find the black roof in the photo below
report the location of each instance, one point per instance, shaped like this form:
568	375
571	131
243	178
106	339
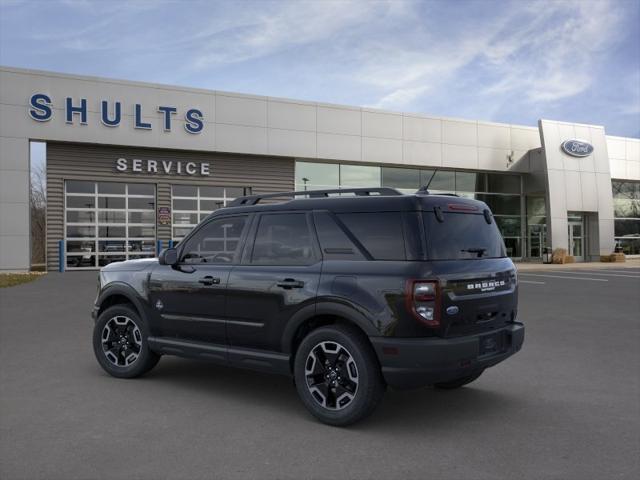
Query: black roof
384	200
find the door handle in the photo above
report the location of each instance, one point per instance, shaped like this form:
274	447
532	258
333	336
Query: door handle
209	280
289	283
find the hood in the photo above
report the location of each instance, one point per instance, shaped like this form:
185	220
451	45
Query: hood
130	265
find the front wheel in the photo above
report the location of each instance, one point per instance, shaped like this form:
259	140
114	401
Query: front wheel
120	343
458	382
337	375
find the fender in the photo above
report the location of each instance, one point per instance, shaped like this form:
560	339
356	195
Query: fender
325	307
127	291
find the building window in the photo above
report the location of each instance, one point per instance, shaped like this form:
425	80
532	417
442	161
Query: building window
501	191
191	204
108	222
626	210
536	226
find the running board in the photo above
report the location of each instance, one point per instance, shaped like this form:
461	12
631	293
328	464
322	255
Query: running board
261	360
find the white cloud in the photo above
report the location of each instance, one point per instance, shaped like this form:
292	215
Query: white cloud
543	52
553	57
286	25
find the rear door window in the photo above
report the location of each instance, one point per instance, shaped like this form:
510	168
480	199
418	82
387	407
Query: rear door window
381	234
283	239
462	236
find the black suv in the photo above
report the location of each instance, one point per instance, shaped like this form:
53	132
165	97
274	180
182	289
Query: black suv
347	291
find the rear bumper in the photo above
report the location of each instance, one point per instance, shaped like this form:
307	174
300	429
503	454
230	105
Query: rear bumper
416	362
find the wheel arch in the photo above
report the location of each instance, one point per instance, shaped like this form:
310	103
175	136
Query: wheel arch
309	319
118	294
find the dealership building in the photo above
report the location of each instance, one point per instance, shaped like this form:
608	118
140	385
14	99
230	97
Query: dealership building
132	167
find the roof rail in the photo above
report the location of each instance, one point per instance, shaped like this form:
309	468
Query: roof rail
360	192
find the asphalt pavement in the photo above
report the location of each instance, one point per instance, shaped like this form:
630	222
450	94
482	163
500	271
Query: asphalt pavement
566	407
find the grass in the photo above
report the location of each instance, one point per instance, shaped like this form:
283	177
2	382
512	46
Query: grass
13	279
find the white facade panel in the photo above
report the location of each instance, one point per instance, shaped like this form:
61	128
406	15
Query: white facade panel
617	148
14	186
573	189
291	116
632	147
456	156
600	155
633	170
246	111
381	125
566	131
459	133
241	139
589	191
339	147
339	120
292	143
422	153
14	219
417	129
618	168
494	136
14	252
12	153
582	132
382	150
492	158
525	138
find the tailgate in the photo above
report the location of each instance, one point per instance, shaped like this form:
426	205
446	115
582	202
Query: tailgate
477	299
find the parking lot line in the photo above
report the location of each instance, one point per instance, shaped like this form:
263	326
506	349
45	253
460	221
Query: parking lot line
560	276
582	272
532	281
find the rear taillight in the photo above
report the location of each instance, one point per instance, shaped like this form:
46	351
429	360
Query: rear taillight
423	300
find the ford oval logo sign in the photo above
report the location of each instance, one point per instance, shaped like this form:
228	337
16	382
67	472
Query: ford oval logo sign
577	148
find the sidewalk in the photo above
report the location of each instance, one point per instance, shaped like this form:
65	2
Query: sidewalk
630	263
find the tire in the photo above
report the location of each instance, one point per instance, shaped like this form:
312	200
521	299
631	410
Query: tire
122	328
346	389
459	382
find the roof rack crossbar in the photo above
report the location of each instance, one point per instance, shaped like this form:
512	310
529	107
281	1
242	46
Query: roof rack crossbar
360	192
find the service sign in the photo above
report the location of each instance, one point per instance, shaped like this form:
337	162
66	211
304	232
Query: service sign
162	167
577	148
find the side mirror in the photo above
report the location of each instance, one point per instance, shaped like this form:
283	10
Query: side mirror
168	256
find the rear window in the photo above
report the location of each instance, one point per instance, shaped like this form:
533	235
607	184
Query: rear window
380	233
462	236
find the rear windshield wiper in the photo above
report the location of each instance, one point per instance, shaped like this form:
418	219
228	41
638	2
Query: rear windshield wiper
479	251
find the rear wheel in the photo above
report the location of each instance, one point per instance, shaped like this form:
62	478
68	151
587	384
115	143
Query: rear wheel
120	343
337	375
459	382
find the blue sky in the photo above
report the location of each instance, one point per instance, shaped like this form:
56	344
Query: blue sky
512	62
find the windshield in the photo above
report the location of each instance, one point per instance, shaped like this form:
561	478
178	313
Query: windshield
462	236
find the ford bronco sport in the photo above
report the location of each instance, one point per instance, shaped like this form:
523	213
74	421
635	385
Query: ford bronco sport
347	291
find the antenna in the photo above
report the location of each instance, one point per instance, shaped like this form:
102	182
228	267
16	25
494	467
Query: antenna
426	187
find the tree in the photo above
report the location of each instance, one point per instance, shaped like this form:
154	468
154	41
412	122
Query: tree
38	212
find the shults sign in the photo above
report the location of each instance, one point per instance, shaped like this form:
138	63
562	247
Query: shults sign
41	109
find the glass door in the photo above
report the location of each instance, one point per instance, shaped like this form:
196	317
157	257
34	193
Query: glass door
576	237
537	240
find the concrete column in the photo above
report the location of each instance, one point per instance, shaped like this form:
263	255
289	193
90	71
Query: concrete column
15	246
